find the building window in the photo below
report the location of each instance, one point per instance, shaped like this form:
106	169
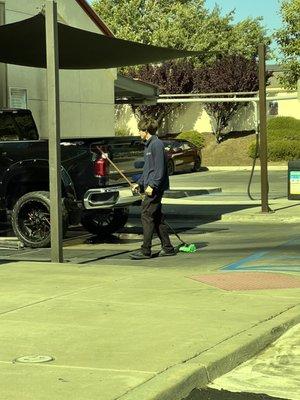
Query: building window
17	98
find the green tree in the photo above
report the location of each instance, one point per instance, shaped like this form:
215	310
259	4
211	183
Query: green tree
245	37
233	73
171	77
168	23
288	39
182	24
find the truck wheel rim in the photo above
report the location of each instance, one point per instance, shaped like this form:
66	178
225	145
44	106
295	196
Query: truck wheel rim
34	221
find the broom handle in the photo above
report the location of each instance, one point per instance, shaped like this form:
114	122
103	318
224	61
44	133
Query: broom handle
173	230
116	168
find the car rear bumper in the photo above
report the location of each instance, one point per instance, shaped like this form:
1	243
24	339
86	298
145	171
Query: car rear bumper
109	198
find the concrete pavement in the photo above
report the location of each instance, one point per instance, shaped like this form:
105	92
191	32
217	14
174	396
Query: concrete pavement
127	332
119	329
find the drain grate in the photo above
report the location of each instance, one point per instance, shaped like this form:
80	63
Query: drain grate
33	359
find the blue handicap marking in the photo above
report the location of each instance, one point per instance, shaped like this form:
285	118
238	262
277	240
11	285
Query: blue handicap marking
275	259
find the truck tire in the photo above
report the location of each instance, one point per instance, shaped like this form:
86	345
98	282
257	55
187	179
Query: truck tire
30	219
104	222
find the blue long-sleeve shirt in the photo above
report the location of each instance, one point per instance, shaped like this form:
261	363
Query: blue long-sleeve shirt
155	171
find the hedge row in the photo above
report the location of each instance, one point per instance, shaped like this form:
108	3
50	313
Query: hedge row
280	150
194	137
289	123
283	139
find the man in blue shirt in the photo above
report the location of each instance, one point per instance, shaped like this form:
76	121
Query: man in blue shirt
153	182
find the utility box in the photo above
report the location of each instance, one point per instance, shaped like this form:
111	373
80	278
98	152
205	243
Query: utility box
294	180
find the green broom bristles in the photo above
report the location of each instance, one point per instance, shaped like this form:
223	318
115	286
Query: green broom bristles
188	248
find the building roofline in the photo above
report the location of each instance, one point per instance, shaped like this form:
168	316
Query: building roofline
95	17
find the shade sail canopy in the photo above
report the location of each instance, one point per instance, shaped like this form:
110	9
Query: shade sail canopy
24	43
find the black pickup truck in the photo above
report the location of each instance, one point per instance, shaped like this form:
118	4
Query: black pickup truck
92	193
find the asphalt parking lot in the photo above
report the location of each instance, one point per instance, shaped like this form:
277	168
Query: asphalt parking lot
82	247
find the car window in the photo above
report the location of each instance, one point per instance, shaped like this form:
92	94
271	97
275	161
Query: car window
185	146
168	146
177	146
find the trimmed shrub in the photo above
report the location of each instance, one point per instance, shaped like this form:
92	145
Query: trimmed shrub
279	150
283	134
283	139
285	123
283	150
251	150
194	137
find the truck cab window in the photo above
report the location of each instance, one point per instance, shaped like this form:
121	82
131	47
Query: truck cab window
27	127
17	126
8	129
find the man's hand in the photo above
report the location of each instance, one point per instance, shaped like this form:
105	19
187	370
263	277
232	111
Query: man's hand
135	188
149	191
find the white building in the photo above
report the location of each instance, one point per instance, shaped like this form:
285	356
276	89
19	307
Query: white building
193	116
87	97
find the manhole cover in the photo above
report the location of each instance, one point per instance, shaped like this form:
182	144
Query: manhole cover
33	359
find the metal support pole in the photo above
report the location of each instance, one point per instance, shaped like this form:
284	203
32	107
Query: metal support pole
263	129
3	67
54	131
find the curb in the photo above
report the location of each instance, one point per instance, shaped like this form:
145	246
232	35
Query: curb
246	168
224	217
227	212
260	217
177	382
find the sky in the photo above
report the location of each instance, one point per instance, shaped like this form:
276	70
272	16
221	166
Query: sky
268	9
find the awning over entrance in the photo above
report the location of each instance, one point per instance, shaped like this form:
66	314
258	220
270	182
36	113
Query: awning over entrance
132	91
24	43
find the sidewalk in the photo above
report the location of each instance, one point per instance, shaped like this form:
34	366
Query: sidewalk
128	332
123	330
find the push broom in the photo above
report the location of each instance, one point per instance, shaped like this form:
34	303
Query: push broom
184	247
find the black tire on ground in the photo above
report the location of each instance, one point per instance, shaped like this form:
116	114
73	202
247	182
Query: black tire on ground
104	222
197	165
171	167
30	219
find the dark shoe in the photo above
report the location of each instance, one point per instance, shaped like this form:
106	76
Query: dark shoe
139	255
164	253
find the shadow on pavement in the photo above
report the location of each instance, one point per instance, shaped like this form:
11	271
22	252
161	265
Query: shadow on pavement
284	208
213	212
213	394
